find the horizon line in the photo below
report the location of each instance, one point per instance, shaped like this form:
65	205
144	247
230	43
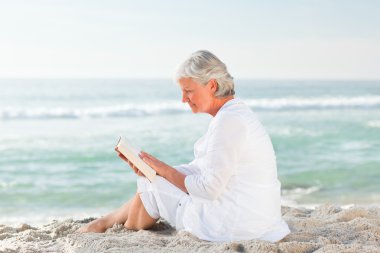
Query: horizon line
168	78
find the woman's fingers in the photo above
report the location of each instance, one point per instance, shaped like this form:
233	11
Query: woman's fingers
129	163
146	155
123	157
147	158
137	171
132	166
159	166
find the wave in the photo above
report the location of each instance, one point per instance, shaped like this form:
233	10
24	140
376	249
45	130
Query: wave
171	107
299	192
127	110
374	123
290	197
315	103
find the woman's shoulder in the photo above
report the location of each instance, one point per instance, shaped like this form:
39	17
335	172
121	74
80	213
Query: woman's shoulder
239	117
231	117
236	110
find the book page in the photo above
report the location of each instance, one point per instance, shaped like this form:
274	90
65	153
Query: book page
132	154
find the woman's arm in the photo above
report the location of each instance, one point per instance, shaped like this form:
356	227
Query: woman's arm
169	173
226	139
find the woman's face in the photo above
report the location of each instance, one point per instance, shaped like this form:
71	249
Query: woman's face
198	96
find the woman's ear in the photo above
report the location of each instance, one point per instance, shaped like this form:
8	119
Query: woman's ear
213	85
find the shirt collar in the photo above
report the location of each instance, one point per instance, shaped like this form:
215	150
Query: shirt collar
233	101
230	103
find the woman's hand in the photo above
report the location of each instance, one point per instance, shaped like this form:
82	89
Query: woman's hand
160	167
169	173
130	164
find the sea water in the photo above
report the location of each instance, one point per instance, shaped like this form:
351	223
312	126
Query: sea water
57	139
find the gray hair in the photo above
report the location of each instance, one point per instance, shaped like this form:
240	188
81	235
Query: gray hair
203	66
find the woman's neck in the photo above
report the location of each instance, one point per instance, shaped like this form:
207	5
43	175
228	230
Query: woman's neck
218	103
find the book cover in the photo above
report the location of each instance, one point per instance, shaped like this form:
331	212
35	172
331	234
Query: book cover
131	152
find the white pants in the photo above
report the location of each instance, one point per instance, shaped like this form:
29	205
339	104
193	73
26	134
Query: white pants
163	199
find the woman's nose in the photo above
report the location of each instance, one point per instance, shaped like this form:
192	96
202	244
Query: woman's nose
184	98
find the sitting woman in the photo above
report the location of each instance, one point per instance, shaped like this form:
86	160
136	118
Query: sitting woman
230	190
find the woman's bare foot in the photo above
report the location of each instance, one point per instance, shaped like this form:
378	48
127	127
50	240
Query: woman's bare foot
139	218
97	226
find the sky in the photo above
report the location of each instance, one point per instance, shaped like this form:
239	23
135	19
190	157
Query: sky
272	39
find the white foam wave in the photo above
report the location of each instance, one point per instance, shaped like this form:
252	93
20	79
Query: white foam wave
290	197
291	131
294	103
374	123
315	103
297	193
95	112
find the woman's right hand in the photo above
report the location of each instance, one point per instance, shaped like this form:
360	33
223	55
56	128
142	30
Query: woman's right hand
130	163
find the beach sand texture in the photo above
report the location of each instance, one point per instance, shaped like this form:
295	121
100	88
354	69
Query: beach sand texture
327	228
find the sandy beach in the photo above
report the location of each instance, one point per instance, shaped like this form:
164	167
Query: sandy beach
327	228
266	104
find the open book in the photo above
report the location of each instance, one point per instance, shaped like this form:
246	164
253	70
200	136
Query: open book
132	154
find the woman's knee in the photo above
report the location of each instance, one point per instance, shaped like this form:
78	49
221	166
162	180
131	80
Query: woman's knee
130	224
138	217
142	224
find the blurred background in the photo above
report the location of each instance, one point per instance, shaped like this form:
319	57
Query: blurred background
75	75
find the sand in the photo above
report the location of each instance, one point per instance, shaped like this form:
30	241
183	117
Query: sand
327	228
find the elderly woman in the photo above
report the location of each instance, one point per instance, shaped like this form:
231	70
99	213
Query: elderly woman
230	190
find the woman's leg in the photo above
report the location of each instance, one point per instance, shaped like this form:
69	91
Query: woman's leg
138	217
100	225
132	214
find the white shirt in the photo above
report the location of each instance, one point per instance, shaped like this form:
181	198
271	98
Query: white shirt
232	182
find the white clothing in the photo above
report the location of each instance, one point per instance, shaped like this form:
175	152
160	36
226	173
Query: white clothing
162	199
234	193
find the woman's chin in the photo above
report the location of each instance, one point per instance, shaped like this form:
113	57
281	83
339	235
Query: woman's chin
193	109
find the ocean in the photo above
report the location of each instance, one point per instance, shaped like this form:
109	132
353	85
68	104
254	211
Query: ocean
57	139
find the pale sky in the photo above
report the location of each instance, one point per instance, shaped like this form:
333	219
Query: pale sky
266	39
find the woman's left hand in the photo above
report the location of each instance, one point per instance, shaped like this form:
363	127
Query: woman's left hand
160	167
169	173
